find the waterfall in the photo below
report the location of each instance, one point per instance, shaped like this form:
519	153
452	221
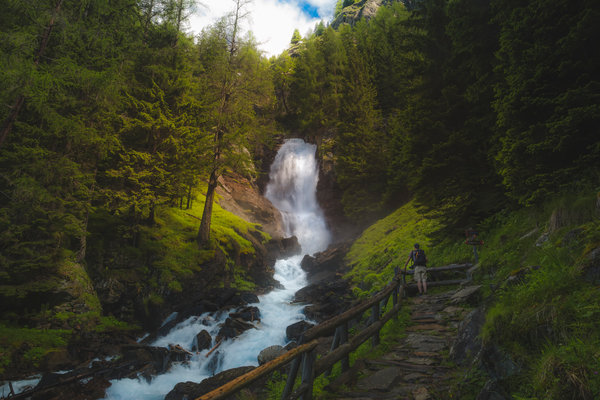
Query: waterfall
292	189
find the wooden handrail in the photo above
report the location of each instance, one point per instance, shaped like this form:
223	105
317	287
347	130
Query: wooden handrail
328	327
311	367
440	269
242	381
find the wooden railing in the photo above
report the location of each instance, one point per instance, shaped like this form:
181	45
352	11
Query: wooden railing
467	268
305	354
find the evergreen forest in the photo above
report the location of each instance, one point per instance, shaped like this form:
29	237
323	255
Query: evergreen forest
117	125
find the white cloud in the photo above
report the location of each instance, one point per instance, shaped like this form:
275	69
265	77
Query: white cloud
272	21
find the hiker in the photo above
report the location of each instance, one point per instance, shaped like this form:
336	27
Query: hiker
417	255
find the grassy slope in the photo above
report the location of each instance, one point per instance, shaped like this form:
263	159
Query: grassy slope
171	243
549	322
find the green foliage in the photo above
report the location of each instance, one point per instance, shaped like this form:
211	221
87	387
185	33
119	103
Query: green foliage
386	245
31	344
547	99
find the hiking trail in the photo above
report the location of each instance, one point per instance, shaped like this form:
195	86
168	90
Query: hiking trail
417	367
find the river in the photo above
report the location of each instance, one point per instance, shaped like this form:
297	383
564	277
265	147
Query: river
292	189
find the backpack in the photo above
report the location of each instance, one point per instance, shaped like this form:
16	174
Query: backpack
419	257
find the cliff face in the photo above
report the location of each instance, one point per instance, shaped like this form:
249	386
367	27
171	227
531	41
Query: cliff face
364	9
241	197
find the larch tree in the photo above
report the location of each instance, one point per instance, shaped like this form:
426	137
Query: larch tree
231	100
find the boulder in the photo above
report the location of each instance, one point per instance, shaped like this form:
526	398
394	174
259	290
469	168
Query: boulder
178	353
157	357
327	299
249	298
467	343
247	314
202	341
326	265
283	248
294	331
233	327
470	294
192	390
270	353
497	363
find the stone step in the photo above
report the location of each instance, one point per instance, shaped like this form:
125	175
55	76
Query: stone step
427	327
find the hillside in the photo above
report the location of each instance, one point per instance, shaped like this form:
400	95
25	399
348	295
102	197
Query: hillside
540	273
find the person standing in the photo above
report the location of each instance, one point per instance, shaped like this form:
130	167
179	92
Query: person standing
419	259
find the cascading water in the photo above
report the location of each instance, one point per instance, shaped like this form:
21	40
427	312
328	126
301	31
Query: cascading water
292	189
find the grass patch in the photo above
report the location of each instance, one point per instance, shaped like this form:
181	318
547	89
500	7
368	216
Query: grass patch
29	345
172	242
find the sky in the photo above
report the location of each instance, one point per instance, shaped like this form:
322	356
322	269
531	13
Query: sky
272	21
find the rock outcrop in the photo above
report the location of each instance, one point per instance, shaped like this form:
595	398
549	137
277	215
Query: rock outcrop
328	293
242	197
364	9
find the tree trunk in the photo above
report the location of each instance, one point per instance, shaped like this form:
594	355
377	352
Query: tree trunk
204	231
16	108
189	198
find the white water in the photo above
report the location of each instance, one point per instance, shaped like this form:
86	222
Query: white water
292	189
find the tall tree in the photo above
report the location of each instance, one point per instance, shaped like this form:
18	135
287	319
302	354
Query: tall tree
548	101
236	74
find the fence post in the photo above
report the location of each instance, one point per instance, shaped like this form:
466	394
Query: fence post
334	345
308	373
343	339
395	297
291	379
375	318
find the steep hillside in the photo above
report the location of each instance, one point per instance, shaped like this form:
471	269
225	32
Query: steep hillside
540	271
130	281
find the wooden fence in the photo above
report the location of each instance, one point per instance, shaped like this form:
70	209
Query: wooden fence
305	354
434	272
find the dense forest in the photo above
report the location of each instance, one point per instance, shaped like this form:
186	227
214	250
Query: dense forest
112	111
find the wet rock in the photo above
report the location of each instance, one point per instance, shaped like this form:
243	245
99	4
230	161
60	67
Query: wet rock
270	353
326	265
467	343
192	390
283	248
156	357
178	353
327	299
215	362
294	331
250	314
249	298
202	341
233	327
